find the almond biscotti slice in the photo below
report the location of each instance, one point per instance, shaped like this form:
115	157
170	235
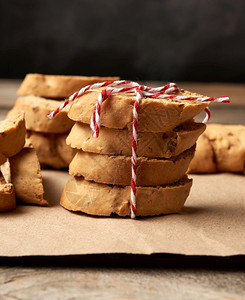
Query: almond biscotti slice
154	115
36	110
203	161
229	153
220	149
149	144
116	169
239	131
52	150
103	200
12	136
27	178
56	86
7	194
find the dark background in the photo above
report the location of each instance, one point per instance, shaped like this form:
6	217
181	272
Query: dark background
174	40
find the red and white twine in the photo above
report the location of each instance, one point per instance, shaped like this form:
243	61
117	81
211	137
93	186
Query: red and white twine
163	92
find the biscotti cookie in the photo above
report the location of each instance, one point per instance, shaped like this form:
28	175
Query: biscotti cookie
7	195
104	200
51	149
116	169
66	153
229	153
27	178
220	149
56	86
203	161
12	136
117	141
239	131
154	115
36	110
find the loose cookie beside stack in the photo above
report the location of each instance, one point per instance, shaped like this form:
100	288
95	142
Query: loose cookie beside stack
12	140
101	169
220	149
20	174
41	94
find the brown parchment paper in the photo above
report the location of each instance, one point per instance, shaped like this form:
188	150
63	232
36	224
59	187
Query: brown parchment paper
211	223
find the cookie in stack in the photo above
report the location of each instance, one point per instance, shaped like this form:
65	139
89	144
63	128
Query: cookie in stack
41	94
101	169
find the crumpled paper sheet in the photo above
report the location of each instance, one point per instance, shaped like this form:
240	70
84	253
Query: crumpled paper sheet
211	223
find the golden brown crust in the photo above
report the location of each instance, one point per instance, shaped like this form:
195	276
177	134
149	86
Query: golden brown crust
36	110
103	200
228	149
7	195
12	136
155	115
117	169
66	153
51	149
220	149
203	161
117	141
27	178
56	86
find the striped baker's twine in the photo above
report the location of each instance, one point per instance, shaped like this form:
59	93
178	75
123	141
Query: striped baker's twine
132	87
168	88
163	92
208	115
83	90
134	150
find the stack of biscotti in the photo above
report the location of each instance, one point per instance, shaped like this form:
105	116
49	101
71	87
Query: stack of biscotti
20	174
221	148
101	169
41	94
